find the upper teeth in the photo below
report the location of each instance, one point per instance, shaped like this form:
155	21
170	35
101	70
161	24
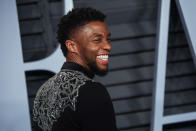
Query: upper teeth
103	56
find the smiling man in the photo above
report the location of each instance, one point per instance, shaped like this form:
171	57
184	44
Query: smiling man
71	100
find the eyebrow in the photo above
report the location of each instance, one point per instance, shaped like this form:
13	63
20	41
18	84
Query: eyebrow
100	35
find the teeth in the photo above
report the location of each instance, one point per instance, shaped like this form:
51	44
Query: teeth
103	57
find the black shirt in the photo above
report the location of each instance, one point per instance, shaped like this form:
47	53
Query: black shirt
72	101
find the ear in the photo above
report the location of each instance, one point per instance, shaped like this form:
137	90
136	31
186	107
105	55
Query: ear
71	46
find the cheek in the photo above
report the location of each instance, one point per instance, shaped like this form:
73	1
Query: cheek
89	54
92	50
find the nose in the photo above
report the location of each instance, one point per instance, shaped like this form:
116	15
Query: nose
107	46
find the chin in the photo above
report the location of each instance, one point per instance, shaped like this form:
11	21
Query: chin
99	70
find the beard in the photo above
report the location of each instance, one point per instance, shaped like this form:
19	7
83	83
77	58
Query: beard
95	69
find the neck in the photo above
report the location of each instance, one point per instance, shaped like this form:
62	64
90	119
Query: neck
76	59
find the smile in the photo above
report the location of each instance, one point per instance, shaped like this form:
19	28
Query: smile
103	57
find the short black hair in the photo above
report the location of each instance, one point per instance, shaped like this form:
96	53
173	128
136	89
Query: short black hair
75	18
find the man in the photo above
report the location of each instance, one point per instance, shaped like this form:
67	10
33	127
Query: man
72	100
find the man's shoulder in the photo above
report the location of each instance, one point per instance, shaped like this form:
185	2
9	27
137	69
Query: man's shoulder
93	89
95	83
65	82
65	78
56	94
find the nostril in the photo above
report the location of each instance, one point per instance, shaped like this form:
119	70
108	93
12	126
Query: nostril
107	46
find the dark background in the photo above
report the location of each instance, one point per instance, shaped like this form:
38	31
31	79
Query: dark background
130	79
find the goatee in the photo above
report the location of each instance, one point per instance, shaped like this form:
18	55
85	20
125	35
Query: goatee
94	68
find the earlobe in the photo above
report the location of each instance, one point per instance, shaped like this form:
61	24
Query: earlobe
71	46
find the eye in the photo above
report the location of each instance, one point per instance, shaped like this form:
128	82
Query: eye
109	40
97	40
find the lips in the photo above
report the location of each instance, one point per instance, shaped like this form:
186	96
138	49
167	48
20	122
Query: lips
103	58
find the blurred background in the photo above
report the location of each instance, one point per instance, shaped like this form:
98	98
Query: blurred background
131	69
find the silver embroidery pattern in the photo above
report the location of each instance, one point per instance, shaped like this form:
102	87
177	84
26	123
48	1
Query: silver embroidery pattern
55	95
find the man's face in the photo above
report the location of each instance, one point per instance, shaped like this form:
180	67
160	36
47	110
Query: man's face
93	42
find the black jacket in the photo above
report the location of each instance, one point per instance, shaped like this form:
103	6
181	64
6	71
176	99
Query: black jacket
72	101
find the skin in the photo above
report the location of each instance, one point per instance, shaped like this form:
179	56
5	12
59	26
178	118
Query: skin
89	46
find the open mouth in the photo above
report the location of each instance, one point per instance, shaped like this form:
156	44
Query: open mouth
103	57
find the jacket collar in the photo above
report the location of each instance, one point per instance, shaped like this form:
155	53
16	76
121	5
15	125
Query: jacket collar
77	67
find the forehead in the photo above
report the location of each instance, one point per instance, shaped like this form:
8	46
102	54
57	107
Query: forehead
94	28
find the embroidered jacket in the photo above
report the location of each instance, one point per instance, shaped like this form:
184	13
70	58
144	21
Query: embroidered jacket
72	101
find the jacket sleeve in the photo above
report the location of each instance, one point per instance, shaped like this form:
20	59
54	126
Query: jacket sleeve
95	108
